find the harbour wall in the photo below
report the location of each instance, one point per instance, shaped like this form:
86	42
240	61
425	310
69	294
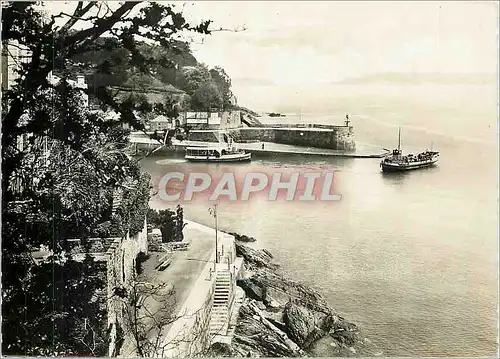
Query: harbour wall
307	135
121	267
120	255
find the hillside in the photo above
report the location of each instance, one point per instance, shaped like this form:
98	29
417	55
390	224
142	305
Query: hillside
176	79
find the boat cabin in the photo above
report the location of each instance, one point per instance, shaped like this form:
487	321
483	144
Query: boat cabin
397	152
202	151
210	152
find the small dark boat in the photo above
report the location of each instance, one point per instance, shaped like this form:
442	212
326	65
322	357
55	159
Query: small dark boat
397	162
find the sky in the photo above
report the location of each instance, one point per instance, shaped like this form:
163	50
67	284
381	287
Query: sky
290	50
293	43
329	41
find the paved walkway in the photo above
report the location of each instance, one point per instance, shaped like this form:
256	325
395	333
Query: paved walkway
185	269
188	270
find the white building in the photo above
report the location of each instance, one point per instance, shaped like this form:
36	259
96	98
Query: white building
221	120
13	55
79	84
161	123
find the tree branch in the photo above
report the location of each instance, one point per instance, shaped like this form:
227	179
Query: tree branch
100	26
79	12
241	29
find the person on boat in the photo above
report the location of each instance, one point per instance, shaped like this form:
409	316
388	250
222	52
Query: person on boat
262	145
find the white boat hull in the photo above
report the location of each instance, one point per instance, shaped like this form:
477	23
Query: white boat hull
238	157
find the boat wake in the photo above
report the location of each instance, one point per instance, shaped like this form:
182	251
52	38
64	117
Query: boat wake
170	161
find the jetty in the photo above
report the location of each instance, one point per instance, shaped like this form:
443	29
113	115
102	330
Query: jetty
141	143
304	139
271	148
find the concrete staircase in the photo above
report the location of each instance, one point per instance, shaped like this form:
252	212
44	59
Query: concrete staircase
239	296
219	315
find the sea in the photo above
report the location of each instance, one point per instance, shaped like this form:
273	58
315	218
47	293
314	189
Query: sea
411	258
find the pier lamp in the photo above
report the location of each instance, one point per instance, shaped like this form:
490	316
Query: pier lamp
213	212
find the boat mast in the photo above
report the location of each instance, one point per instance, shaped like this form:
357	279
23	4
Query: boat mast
399	140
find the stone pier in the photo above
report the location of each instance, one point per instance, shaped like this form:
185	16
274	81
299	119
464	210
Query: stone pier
332	137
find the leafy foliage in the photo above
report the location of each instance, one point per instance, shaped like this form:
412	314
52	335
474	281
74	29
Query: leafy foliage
61	162
134	207
175	77
207	96
223	82
68	310
171	223
139	261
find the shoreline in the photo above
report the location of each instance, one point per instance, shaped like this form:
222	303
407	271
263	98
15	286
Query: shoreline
158	149
281	317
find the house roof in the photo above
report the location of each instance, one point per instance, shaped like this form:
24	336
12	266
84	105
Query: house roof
161	118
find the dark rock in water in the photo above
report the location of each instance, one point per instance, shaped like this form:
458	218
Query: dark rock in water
281	326
283	290
259	337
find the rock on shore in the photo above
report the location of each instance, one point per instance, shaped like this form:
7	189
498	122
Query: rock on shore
280	317
242	237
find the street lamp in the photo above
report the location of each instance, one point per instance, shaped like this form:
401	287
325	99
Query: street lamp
213	212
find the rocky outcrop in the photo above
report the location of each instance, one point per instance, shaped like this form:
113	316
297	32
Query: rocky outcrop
281	317
249	117
242	237
254	258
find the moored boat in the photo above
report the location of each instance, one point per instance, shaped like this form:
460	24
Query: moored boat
224	151
397	162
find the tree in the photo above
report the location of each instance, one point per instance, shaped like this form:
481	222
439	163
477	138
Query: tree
223	82
192	77
79	326
207	97
150	308
179	222
59	184
171	223
182	56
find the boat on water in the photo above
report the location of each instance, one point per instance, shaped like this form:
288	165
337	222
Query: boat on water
397	162
224	151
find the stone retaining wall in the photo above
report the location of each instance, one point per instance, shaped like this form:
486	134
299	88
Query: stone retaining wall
121	268
307	135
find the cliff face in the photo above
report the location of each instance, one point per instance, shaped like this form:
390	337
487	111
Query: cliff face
281	317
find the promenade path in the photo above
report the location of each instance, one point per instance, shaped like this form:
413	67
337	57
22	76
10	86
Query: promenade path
185	269
188	272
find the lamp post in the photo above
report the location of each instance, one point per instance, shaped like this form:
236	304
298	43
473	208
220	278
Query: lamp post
213	212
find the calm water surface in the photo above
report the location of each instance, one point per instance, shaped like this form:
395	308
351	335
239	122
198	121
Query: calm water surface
411	258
